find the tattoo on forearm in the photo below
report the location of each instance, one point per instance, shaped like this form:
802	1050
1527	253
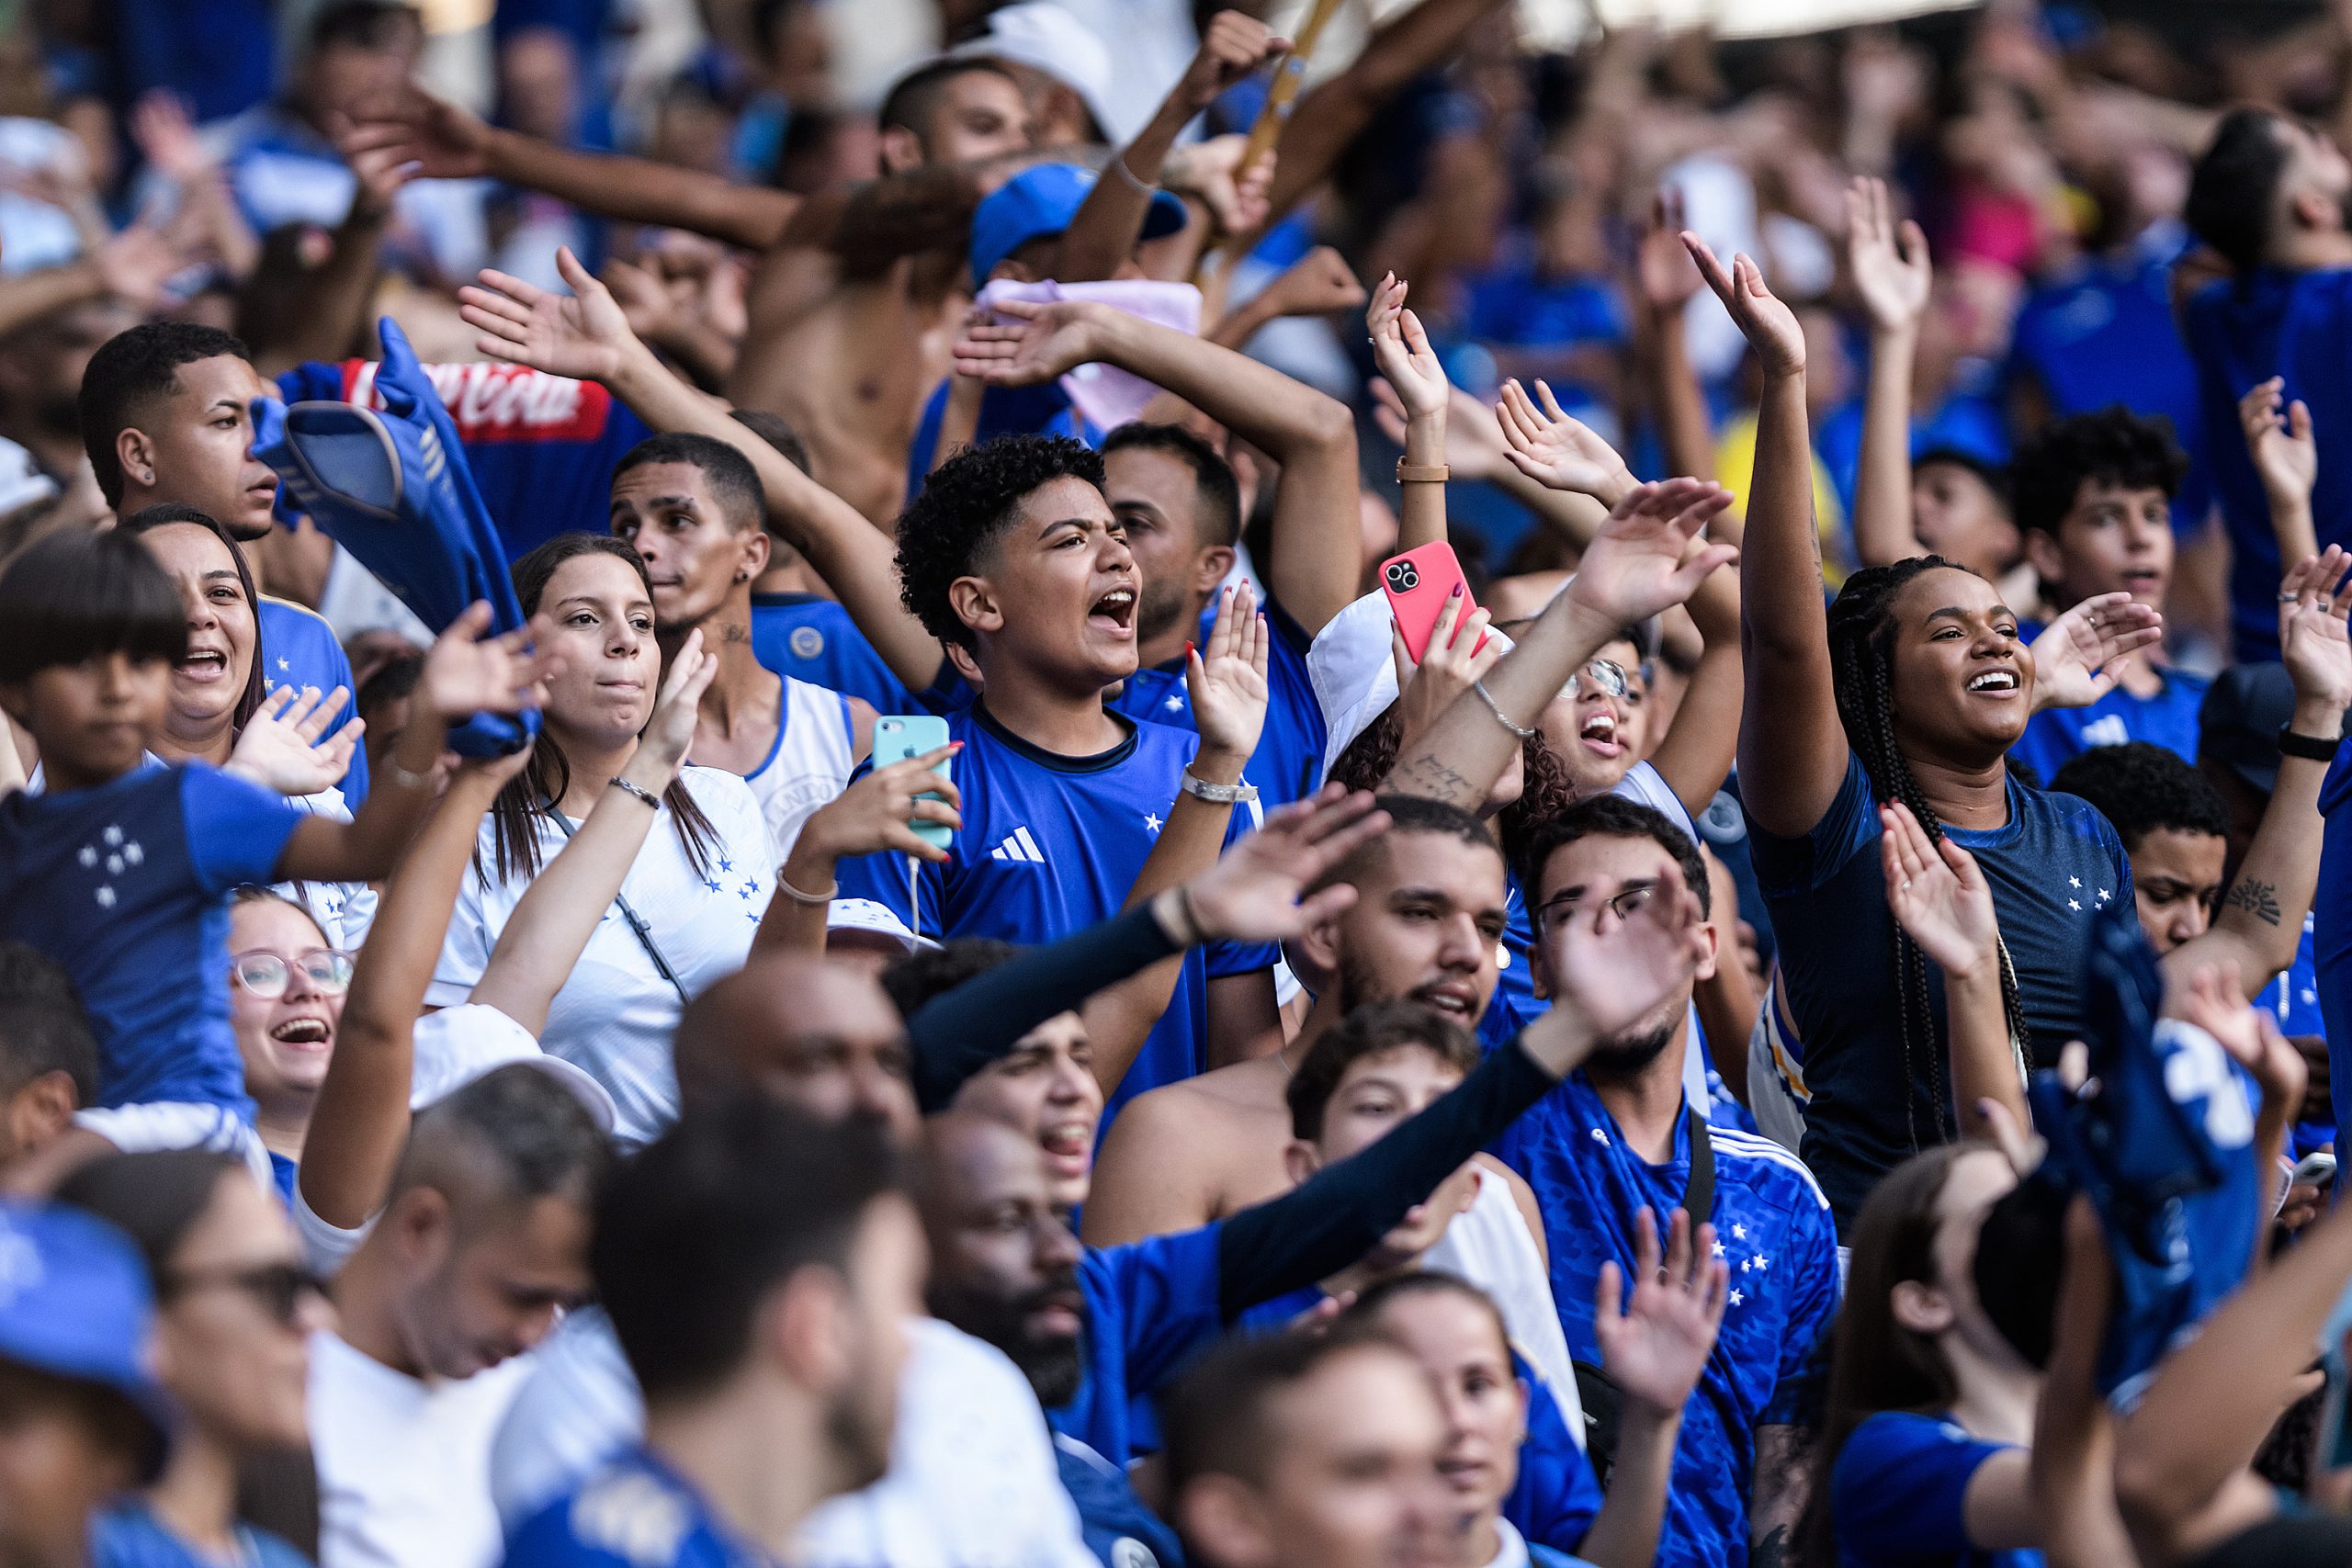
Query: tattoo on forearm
1426	776
1772	1551
2259	899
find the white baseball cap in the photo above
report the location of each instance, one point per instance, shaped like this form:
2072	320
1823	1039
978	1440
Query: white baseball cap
872	916
1352	667
459	1044
1045	36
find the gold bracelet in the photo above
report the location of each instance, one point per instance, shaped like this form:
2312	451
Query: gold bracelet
1422	473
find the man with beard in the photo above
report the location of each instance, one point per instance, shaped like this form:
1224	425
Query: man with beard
1618	1138
1429	915
757	1266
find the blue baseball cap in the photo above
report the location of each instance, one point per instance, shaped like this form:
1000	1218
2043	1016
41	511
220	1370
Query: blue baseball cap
76	1304
1044	200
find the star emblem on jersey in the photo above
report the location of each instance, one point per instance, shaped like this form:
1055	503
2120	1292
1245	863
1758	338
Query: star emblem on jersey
1151	821
282	665
109	855
1175	703
1739	1299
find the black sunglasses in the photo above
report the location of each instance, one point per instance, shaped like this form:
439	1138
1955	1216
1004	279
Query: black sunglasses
280	1288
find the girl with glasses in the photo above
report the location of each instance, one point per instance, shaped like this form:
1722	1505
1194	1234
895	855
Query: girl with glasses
287	982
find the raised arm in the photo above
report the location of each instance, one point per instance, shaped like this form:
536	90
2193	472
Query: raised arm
1102	236
1892	282
2287	459
331	299
1401	349
1651	552
1316	532
2261	920
1668	280
587	336
874	816
549	929
447	142
1792	747
1943	903
361	1122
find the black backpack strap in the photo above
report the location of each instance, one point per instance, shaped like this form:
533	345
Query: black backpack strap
1699	1191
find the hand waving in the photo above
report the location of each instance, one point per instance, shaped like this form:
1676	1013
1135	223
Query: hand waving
585	336
1228	679
1555	450
1652	551
1660	265
2311	628
1770	326
1257	890
1938	896
467	673
445	141
1614	973
1401	349
1658	1345
669	732
287	747
1041	343
2285	454
2078	655
1894	282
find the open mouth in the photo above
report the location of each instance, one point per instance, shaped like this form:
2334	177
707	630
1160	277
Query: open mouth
205	665
1598	733
1455	1001
1114	612
2143	580
1069	1147
302	1033
1994	682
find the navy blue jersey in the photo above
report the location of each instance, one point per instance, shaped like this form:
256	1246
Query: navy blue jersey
126	885
2054	862
2331	938
298	649
1288	763
1049	845
1898	1493
2297	325
810	637
541	447
633	1512
129	1536
1151	1307
1773	1231
2054	737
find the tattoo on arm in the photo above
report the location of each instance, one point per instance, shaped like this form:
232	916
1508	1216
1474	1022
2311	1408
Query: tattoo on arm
2257	898
1426	776
1783	1490
1772	1551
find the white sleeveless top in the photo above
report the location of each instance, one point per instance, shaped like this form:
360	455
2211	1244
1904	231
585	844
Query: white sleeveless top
809	765
1488	1244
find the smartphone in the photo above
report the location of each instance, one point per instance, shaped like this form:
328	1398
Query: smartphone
2315	1170
1418	584
902	735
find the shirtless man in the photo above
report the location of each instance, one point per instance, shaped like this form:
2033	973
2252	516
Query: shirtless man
1425	928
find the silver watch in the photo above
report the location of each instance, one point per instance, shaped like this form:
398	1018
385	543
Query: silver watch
1217	794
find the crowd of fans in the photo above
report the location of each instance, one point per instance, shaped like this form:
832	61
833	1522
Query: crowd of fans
873	786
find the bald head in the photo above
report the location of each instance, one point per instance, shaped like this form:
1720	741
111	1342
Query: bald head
803	1031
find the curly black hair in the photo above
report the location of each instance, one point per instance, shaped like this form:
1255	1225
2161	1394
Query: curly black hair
2141	788
965	504
2112	446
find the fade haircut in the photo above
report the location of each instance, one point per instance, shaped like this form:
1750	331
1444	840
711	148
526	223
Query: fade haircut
2141	788
697	1231
1219	495
914	98
965	506
1609	817
734	483
1410	814
1218	1420
2235	185
2113	447
128	374
1372	1029
74	596
512	1136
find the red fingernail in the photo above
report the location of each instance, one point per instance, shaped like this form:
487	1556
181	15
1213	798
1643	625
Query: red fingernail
1457	591
1188	650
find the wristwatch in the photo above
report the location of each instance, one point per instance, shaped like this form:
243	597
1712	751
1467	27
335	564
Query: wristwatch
1216	793
2311	747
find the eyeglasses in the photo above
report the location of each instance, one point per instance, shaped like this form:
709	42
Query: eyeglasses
267	974
1623	903
280	1289
1607	675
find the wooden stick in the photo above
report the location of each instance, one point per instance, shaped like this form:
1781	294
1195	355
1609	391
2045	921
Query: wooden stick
1289	76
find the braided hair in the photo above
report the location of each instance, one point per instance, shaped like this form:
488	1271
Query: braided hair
1861	665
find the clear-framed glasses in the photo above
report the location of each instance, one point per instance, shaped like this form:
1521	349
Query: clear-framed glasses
267	974
1623	903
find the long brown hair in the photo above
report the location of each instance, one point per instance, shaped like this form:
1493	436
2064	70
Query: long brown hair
536	790
1876	1363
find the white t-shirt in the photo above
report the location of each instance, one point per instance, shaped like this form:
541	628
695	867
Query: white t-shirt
972	1482
613	1017
404	1464
1490	1245
810	763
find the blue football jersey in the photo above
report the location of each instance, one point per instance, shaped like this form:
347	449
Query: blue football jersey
633	1512
2330	938
298	649
1288	763
1898	1493
126	885
128	1535
2054	737
1050	845
1773	1230
1151	1307
810	637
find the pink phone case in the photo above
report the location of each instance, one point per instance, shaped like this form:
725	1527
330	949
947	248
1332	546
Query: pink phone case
1417	583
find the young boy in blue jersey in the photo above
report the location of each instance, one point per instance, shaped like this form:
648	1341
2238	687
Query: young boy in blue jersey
165	412
2174	827
1180	508
2273	196
120	871
2092	493
758	1267
1617	1142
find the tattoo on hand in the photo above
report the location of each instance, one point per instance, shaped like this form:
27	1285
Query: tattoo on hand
2257	898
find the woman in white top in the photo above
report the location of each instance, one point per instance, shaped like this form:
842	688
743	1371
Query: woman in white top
693	899
220	711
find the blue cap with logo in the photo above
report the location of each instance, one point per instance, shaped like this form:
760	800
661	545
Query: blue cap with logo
1044	200
75	1303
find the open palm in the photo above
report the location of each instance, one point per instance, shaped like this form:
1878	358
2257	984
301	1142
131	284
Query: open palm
1657	1346
1651	552
1228	679
2311	627
1556	450
582	336
2078	655
1257	891
1768	324
1401	349
1892	278
1937	895
287	747
466	673
1040	342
